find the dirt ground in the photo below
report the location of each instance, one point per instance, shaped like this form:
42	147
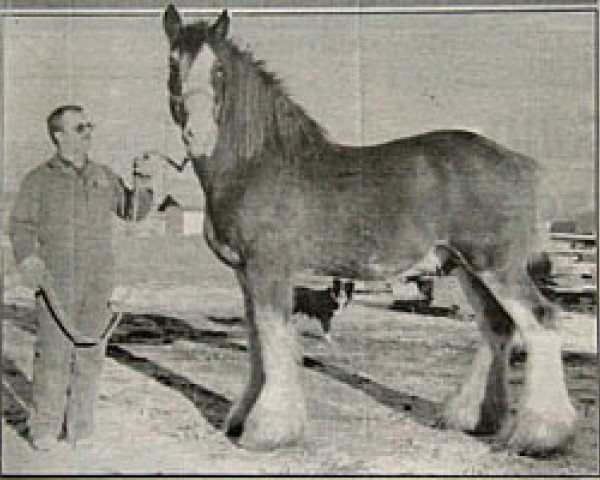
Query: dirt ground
175	366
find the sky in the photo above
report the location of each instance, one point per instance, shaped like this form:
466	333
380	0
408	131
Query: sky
525	80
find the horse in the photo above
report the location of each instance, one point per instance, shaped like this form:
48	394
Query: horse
283	198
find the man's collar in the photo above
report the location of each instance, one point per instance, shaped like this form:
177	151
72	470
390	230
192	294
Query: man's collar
67	165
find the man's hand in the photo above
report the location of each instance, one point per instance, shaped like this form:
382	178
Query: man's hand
32	271
142	170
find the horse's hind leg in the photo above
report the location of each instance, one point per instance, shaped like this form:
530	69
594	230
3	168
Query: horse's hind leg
545	419
481	406
277	413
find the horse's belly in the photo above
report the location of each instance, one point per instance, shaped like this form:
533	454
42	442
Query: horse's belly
361	251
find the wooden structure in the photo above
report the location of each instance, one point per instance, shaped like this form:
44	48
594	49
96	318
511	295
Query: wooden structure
573	280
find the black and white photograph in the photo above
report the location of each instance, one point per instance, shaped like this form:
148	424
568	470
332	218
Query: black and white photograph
276	237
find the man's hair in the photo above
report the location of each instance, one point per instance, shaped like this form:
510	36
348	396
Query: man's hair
54	120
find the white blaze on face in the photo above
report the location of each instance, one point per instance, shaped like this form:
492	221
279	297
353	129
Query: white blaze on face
199	100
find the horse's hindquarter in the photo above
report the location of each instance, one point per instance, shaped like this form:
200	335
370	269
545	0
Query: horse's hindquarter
388	204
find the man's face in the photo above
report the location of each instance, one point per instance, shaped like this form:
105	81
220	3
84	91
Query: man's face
75	137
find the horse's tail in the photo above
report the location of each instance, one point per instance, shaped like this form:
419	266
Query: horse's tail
539	269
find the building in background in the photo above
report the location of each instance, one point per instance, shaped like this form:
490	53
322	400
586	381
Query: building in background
573	251
179	219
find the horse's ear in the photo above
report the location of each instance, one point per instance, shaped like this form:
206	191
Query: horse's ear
221	26
172	23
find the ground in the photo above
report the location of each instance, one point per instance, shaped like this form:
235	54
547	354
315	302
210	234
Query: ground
176	364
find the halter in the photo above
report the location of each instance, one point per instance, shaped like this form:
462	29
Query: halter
178	102
178	110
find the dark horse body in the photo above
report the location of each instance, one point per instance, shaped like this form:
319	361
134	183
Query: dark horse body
282	198
368	212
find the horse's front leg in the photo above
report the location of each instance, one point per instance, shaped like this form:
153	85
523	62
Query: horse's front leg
223	252
234	423
278	416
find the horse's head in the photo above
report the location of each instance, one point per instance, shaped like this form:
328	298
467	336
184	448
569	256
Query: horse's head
218	90
195	78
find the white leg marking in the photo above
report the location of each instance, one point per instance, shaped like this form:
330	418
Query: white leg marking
546	417
463	410
279	415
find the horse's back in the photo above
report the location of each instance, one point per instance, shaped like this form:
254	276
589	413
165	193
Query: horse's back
388	203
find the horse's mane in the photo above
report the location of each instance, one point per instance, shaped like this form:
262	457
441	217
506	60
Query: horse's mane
258	114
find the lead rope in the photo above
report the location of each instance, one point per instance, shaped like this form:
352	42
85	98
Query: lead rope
113	305
169	160
118	315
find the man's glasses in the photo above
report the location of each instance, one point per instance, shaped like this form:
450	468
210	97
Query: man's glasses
82	127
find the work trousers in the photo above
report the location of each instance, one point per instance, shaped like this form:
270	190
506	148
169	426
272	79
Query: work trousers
65	381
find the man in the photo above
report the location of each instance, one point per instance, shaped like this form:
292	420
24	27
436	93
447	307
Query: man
60	230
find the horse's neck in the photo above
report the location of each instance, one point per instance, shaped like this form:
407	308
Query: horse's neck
207	173
220	178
